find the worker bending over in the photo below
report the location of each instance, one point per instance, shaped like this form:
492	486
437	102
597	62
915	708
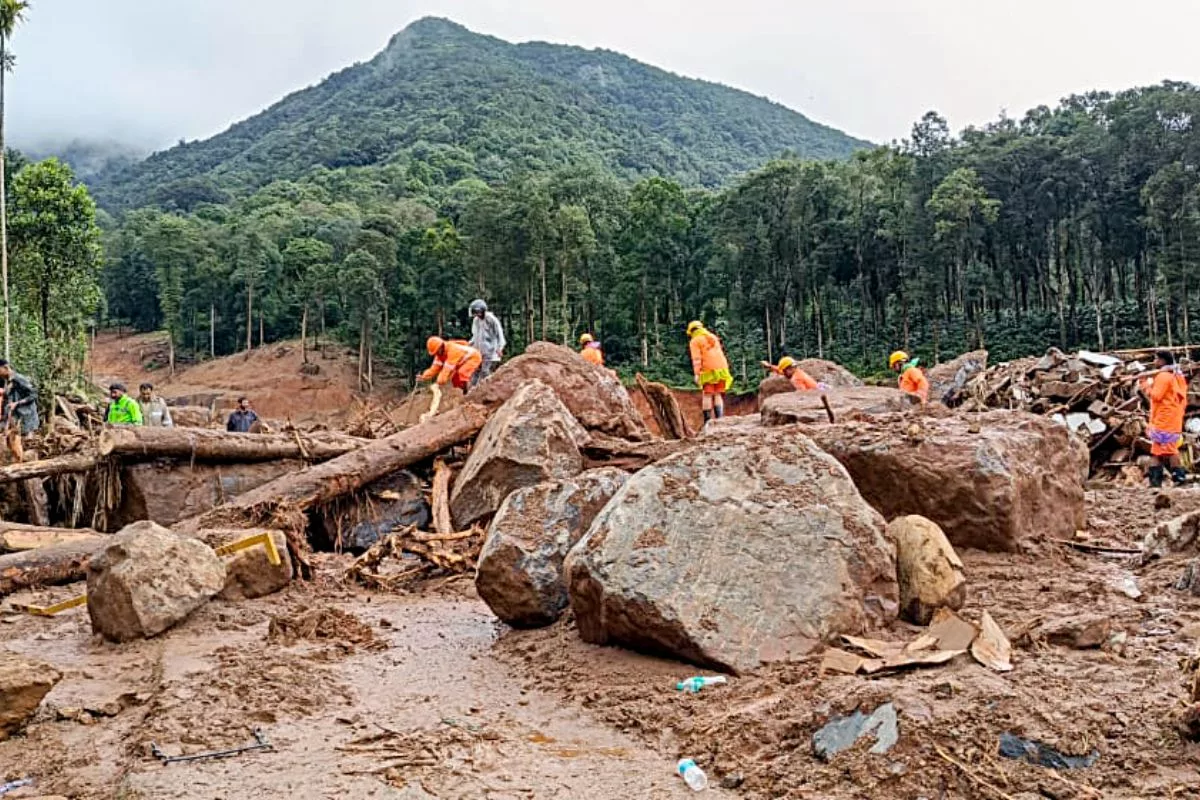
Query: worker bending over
1167	390
454	362
801	380
912	377
591	351
710	368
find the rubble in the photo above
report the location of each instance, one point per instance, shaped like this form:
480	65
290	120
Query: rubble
390	504
991	648
520	567
249	573
950	377
990	481
148	579
686	557
401	560
1080	632
807	408
530	439
23	684
928	569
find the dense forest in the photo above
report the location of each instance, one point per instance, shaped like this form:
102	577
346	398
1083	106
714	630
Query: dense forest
1073	226
445	104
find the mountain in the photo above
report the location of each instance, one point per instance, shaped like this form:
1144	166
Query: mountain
451	104
89	158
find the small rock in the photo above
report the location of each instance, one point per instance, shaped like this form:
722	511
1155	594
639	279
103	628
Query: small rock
1189	723
733	781
1043	755
23	684
843	732
249	573
1189	581
1127	585
1084	632
928	569
149	579
1162	501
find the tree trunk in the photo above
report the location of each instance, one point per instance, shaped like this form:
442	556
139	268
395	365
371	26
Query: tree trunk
665	408
304	335
202	444
26	470
542	263
346	474
249	317
212	330
15	537
442	476
47	566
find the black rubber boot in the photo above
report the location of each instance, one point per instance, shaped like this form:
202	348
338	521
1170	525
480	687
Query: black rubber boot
708	416
1179	474
1156	477
719	411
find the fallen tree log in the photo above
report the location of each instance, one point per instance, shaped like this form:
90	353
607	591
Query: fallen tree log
48	467
47	566
15	537
345	474
211	445
665	408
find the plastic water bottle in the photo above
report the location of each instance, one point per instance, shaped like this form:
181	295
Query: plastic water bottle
692	775
693	685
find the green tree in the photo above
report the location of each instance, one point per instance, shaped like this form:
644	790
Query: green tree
306	263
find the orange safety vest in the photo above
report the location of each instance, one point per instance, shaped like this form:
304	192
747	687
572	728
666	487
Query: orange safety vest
802	381
1168	401
459	362
593	354
914	381
707	354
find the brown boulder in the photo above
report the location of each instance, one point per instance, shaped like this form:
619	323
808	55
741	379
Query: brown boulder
773	385
806	408
520	566
530	439
593	394
191	416
249	573
23	684
168	492
149	579
828	372
928	569
951	376
745	549
1080	632
988	480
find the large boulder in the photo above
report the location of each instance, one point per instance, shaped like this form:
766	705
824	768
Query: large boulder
167	492
806	408
745	549
191	416
988	480
520	566
23	684
530	439
593	394
929	571
249	573
773	385
830	373
149	579
950	377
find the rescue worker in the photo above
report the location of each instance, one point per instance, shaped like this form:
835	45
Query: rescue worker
454	362
155	412
591	351
19	417
487	336
710	368
122	410
801	380
1167	390
912	377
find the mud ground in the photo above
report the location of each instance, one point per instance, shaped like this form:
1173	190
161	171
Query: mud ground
386	696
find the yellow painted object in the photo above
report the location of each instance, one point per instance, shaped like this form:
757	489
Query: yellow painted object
263	538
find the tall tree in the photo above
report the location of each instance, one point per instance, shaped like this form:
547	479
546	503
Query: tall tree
12	14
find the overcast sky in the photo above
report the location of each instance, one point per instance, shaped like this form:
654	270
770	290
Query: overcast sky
154	71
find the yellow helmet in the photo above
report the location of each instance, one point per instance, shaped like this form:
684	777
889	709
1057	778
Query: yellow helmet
693	326
897	357
786	363
587	338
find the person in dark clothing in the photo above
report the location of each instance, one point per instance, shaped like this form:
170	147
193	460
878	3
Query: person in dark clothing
19	417
243	419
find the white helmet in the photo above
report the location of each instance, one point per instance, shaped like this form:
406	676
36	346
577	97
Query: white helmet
478	307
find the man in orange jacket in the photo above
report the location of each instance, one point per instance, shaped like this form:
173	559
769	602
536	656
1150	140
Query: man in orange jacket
1167	390
454	362
912	377
591	351
710	368
801	380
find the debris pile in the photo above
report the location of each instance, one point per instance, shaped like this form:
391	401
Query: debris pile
1094	395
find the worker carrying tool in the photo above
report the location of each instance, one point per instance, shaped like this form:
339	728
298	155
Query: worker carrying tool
801	380
710	368
454	362
912	377
591	351
1167	390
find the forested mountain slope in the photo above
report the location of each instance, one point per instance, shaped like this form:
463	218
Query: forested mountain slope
451	104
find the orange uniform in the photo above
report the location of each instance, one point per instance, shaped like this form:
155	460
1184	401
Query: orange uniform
802	381
1168	404
709	364
592	354
455	363
914	381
